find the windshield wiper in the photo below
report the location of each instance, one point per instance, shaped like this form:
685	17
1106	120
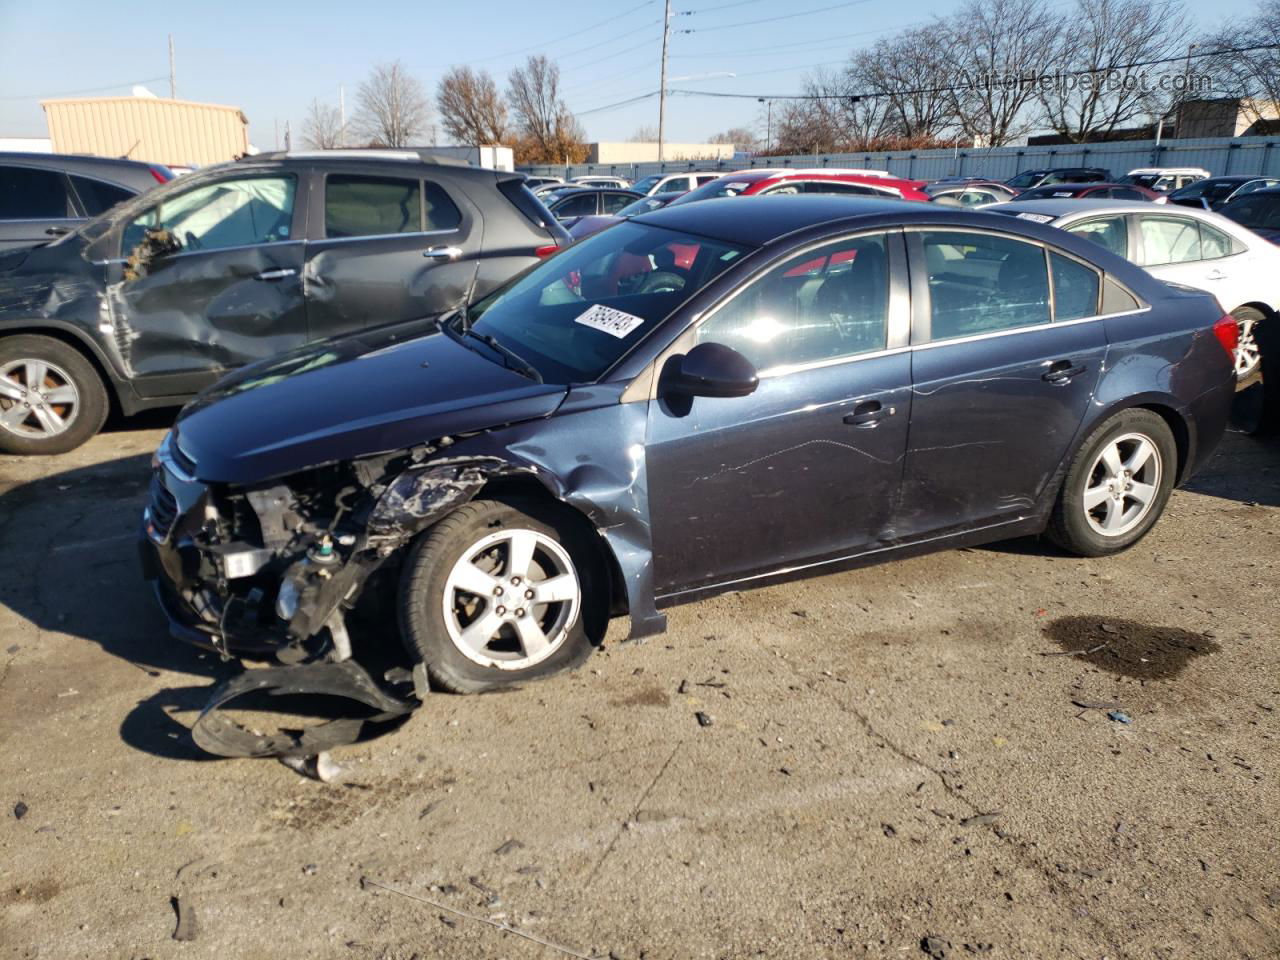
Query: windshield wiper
458	326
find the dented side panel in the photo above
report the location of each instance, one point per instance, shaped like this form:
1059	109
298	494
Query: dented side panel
192	316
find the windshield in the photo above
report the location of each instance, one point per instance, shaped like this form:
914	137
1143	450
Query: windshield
1256	212
723	187
575	315
1028	178
646	205
647	184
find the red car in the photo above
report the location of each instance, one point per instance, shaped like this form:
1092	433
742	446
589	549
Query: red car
754	183
1094	191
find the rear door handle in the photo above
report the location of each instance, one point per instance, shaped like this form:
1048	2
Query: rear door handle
868	413
279	273
1062	370
442	253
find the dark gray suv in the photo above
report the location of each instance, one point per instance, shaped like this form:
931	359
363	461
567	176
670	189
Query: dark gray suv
48	194
155	300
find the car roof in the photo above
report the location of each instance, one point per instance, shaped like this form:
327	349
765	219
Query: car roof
63	161
1091	185
1061	206
759	220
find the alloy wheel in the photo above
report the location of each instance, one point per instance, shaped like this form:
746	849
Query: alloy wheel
511	598
1247	355
38	399
1123	484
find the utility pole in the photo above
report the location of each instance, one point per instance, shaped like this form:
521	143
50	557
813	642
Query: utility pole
1179	130
768	124
662	89
173	72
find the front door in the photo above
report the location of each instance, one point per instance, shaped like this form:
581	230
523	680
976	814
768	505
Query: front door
389	249
807	468
223	288
1002	374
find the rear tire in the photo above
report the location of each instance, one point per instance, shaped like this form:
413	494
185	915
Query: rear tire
1248	355
65	405
501	593
1117	485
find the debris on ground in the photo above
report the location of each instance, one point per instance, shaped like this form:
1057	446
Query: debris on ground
320	767
185	929
1119	716
509	847
704	719
888	829
20	810
1098	704
980	820
935	947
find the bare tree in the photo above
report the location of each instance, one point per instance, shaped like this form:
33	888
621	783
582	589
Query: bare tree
909	74
835	116
741	138
1254	77
393	108
997	48
1106	34
471	109
549	133
322	127
645	134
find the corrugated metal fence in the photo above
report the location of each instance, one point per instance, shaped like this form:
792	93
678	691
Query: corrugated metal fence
1218	155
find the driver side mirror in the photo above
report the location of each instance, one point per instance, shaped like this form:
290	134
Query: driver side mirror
713	370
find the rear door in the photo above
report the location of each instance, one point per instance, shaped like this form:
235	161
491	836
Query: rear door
807	467
1186	250
386	248
1002	373
228	290
33	201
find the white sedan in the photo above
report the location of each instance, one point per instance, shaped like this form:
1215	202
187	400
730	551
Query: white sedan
1191	247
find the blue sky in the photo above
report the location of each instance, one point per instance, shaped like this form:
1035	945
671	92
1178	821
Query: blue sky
272	58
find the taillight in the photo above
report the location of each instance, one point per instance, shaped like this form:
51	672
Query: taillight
548	251
1228	333
160	177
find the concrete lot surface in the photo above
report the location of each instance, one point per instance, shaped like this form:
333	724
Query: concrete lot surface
859	723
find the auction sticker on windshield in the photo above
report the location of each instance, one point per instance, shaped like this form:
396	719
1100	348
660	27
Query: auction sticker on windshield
1037	217
615	322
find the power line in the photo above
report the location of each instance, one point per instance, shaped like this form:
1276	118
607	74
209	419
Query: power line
719	6
616	53
620	103
785	16
1029	78
567	36
72	93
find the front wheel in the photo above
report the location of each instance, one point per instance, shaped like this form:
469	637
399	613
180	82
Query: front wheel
496	594
1117	485
51	398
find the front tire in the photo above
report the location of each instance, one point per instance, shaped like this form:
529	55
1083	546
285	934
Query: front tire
500	593
1117	486
51	397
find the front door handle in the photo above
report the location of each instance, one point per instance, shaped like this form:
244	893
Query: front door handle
442	253
1215	274
279	273
1062	371
868	413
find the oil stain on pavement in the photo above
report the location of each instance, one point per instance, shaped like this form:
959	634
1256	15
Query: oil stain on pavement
1127	648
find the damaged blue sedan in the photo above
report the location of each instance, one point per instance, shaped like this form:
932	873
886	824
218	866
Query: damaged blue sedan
707	398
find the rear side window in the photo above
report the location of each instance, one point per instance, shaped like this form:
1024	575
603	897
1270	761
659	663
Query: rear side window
96	196
613	202
980	283
1075	288
848	189
27	194
1168	240
1124	193
1107	232
371	206
1214	243
826	304
524	200
575	205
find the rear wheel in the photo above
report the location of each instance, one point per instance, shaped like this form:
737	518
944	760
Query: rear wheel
1248	355
51	398
498	593
1117	486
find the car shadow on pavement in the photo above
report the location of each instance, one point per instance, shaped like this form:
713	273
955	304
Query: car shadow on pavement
70	567
1245	469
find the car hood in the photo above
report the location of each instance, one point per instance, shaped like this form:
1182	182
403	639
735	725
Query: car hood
340	399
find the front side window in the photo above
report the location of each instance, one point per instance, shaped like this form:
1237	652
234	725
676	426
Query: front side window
27	194
1168	240
574	315
575	205
647	184
977	198
849	189
826	304
1107	232
1075	288
228	213
981	283
371	206
1028	178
